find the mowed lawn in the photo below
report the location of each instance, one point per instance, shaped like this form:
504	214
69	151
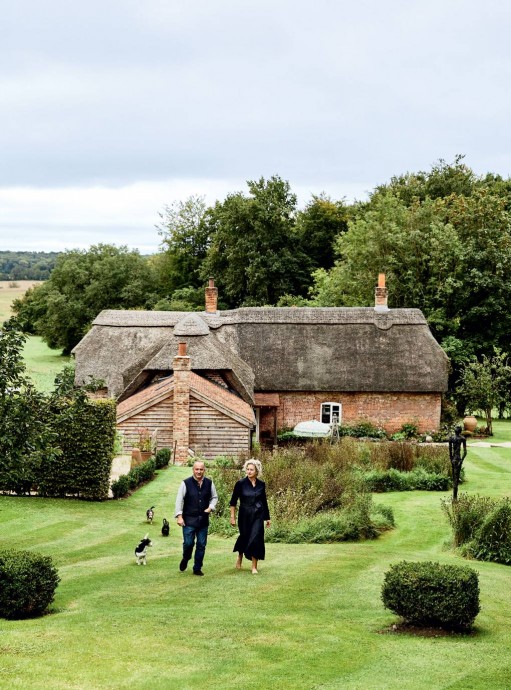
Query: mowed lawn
312	618
43	364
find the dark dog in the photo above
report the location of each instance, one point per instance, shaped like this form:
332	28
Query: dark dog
141	550
165	530
150	514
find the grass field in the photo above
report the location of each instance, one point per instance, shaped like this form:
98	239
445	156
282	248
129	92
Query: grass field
43	364
312	618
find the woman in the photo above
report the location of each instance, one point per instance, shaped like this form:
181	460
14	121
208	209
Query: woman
251	493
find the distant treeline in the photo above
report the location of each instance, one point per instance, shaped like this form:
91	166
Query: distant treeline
27	265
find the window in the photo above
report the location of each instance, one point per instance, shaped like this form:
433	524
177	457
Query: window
329	410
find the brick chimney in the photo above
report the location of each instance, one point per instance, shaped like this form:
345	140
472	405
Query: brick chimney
181	422
381	294
211	298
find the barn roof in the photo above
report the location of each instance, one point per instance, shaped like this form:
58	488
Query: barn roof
271	349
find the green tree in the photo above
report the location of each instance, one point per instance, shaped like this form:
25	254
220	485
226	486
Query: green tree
255	255
186	238
485	384
25	434
83	283
318	226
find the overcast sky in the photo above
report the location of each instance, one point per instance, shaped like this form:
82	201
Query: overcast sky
110	110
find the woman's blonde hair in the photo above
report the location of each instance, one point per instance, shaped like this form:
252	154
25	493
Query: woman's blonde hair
256	464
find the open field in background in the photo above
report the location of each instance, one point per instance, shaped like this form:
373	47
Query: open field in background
312	619
43	364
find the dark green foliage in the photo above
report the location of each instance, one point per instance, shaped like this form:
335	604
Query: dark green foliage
83	283
162	458
26	265
481	526
121	486
493	539
85	432
26	436
140	474
27	584
432	594
255	254
415	480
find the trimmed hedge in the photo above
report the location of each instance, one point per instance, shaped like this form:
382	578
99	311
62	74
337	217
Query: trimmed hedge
162	458
85	435
415	480
136	476
27	584
432	594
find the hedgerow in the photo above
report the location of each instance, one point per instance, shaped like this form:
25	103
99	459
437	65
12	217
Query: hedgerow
136	476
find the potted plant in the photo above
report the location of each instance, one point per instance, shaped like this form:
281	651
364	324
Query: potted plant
143	444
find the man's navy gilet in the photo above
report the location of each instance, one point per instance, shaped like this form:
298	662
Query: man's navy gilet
195	503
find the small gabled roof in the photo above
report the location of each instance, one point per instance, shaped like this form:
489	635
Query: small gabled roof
212	394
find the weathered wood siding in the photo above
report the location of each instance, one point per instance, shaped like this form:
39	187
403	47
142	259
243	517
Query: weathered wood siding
213	433
158	416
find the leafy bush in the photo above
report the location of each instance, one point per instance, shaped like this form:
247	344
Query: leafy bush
121	486
492	541
466	515
27	584
137	475
162	458
362	430
417	480
432	594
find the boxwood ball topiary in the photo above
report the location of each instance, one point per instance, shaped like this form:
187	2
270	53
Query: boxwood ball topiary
432	594
27	583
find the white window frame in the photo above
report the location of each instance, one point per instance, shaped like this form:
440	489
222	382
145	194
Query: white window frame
330	412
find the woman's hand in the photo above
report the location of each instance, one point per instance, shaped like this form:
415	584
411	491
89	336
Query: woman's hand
268	523
233	521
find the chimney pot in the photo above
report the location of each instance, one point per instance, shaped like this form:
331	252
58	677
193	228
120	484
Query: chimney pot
181	350
381	280
211	283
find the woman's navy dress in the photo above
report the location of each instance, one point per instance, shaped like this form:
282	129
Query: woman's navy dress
252	513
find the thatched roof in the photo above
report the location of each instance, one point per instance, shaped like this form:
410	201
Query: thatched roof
271	349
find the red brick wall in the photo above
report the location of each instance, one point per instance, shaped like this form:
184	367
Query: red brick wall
389	410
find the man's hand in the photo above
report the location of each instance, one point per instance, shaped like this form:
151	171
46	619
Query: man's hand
180	521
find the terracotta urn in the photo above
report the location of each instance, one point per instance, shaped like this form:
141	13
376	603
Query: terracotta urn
470	423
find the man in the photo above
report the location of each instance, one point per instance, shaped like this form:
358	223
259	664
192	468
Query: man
195	500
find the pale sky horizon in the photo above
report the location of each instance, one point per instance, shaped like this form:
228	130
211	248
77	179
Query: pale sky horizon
110	111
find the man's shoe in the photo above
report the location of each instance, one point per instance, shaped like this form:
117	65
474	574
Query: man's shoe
198	572
183	565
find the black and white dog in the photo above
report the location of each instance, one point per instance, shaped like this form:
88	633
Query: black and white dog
141	550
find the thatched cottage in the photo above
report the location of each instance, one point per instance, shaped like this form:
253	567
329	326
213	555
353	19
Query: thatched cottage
212	381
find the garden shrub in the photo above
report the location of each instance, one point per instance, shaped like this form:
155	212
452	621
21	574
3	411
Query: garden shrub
137	475
417	480
362	430
466	515
162	458
27	584
314	496
432	594
121	486
492	541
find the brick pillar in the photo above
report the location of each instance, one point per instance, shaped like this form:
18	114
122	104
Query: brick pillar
381	294
181	430
211	297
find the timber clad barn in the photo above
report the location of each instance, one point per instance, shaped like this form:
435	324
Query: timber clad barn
207	380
